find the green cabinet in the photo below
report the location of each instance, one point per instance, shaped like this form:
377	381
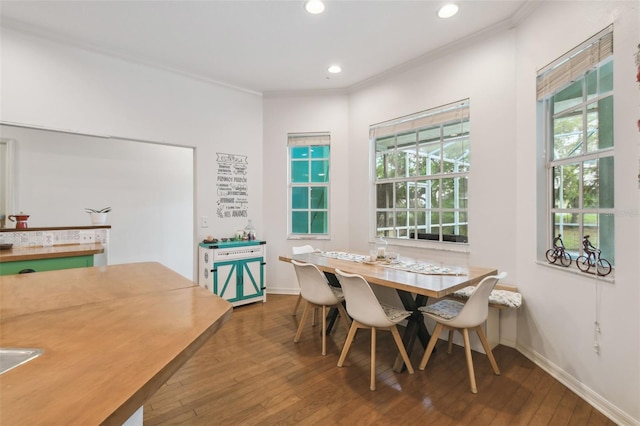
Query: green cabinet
52	264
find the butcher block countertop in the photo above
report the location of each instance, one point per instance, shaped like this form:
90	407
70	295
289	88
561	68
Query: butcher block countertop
50	252
111	335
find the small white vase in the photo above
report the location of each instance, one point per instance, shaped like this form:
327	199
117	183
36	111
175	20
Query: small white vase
98	218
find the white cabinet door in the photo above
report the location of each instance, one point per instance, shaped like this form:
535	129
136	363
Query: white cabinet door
225	280
252	279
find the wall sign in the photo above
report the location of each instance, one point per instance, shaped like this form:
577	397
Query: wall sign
231	185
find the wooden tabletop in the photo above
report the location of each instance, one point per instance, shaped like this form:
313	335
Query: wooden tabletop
111	335
427	285
50	252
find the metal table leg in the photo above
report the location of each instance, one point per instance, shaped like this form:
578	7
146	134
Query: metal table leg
415	326
333	312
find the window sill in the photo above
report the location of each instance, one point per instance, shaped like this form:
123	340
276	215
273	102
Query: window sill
572	269
308	237
425	244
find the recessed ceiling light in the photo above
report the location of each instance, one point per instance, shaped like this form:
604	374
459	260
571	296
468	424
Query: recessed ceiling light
314	6
448	10
334	69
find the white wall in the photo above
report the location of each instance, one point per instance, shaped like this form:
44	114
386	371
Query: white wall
556	328
5	171
418	89
440	80
283	115
148	186
62	87
497	73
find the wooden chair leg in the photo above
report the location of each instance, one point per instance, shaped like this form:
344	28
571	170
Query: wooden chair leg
401	348
324	330
487	349
372	385
347	343
315	316
430	346
450	347
305	313
295	308
467	351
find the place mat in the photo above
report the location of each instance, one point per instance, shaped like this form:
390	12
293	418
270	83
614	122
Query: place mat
421	268
418	268
341	255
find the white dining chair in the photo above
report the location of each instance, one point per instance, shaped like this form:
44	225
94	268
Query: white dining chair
317	292
367	312
453	315
300	250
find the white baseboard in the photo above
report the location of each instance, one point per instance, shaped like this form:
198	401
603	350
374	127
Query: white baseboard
289	291
508	343
596	400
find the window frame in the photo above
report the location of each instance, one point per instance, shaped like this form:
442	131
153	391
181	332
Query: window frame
310	140
548	168
418	230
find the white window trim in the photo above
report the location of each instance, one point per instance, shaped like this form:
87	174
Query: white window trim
586	56
437	115
308	139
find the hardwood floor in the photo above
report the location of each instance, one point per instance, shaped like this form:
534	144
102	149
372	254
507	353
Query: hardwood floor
251	373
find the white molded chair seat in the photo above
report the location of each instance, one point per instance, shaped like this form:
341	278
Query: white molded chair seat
453	315
367	312
315	289
300	250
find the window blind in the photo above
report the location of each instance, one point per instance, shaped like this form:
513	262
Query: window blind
308	139
452	112
575	64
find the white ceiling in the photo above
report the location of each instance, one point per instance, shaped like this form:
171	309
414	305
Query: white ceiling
268	45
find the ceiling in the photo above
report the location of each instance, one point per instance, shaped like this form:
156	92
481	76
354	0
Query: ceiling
268	45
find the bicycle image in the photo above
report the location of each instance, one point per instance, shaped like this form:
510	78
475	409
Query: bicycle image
592	259
558	253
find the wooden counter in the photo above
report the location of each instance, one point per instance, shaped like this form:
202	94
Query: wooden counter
111	335
54	228
51	252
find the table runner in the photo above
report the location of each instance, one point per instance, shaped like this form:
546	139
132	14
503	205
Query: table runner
416	267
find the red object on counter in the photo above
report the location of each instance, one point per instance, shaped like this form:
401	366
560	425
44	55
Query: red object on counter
20	219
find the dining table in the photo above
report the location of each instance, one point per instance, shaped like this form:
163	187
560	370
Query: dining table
414	280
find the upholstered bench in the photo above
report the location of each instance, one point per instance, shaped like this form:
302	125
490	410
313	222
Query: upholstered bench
502	297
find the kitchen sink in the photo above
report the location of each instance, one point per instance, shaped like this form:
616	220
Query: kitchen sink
12	357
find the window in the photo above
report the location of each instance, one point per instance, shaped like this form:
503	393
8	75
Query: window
575	96
421	175
309	184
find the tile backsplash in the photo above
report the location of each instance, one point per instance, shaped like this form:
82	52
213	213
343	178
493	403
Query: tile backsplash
55	237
